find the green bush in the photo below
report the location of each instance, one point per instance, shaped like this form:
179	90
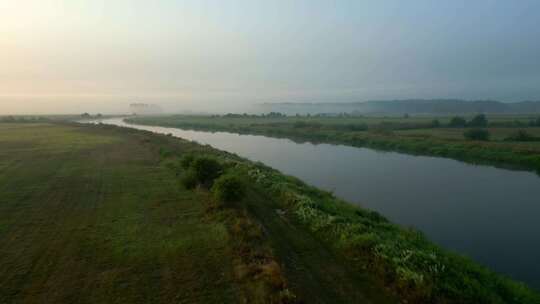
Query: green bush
476	134
521	135
187	160
206	169
165	153
479	120
189	179
229	188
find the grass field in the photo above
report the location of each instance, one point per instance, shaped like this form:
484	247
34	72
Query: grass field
414	135
88	216
97	214
91	215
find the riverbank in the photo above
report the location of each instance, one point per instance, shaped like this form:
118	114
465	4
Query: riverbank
411	135
403	260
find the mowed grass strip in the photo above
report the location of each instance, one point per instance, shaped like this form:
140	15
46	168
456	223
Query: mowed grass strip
87	215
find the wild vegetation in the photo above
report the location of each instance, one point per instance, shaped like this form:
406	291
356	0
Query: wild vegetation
437	136
408	264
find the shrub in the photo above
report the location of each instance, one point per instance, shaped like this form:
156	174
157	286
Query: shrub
435	123
476	134
206	169
479	120
229	188
187	160
457	122
189	179
8	119
165	153
521	135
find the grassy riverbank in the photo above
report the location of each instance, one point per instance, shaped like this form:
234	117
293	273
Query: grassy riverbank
402	260
98	214
415	135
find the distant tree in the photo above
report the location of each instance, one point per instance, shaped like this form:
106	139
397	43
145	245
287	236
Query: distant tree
275	115
406	115
99	115
479	120
521	135
8	119
435	123
85	115
457	122
477	134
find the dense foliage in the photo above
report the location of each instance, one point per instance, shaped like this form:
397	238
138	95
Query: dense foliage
229	188
187	160
206	169
189	179
476	134
457	121
522	135
479	120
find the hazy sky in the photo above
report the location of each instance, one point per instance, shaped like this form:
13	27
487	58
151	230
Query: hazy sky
74	55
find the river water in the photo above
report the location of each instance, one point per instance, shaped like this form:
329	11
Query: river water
489	214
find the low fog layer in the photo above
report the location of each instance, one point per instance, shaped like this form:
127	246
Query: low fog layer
100	56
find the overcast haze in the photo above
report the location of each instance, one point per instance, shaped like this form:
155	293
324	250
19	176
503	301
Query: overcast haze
73	56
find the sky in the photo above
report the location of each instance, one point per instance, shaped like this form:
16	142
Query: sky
73	56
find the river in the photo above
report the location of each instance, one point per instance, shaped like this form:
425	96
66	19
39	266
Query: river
489	214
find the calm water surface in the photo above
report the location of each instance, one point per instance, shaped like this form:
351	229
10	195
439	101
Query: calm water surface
489	214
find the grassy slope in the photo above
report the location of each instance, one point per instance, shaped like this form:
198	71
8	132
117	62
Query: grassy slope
315	273
87	216
408	135
408	264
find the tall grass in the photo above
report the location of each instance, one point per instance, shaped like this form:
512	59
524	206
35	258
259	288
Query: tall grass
407	262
